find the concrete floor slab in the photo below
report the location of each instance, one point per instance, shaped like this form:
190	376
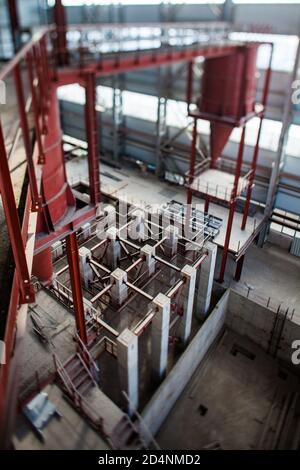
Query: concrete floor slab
70	432
139	188
216	183
226	403
37	360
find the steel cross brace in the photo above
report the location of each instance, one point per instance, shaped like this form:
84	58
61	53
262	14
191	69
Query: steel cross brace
13	226
36	205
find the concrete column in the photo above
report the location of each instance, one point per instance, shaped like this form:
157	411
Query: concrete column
148	252
127	352
206	279
136	229
113	252
171	243
86	272
153	218
160	335
118	118
110	215
188	293
119	290
86	231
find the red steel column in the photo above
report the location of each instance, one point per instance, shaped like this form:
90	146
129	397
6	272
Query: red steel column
73	260
232	205
13	226
189	90
92	137
206	204
14	23
251	177
38	130
256	148
192	163
62	55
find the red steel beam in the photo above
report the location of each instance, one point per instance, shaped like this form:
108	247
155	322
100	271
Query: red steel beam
35	108
126	62
92	137
251	178
13	226
73	261
232	205
35	197
38	36
206	204
14	330
256	148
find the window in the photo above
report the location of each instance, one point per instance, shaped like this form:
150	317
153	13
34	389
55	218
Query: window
285	49
177	117
269	136
293	142
283	2
133	2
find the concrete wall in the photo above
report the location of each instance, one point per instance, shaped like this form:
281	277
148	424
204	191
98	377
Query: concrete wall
237	312
249	319
256	322
168	393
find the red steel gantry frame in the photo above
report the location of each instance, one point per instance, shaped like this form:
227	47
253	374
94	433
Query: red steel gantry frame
92	137
40	59
241	122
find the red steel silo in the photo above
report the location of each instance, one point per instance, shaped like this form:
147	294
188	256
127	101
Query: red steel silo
228	93
58	200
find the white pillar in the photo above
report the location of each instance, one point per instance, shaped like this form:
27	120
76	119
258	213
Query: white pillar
188	293
148	252
127	353
170	246
206	280
110	215
86	231
160	335
57	250
86	272
113	252
119	290
136	229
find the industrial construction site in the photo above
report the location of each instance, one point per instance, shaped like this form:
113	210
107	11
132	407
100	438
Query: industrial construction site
150	226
